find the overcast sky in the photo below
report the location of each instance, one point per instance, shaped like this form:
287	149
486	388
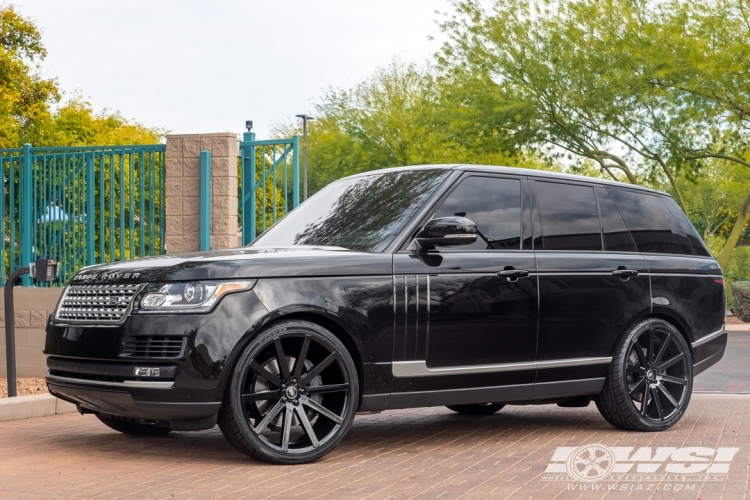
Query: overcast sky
207	66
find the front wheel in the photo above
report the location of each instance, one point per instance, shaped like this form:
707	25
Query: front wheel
292	396
650	379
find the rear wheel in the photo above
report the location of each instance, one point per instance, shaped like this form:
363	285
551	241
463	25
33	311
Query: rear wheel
292	396
477	409
650	379
133	427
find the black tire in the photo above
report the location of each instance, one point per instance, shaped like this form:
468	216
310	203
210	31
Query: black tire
650	379
133	427
477	409
292	412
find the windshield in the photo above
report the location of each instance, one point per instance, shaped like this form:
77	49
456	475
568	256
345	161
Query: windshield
361	213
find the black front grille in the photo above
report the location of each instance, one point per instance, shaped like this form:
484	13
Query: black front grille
155	346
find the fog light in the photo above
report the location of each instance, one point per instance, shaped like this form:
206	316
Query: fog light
147	372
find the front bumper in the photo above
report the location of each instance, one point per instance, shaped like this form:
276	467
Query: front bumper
91	367
123	401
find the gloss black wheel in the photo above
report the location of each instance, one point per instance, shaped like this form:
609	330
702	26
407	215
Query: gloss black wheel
650	379
293	394
134	427
477	409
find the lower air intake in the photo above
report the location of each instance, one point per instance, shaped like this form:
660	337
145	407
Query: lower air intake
156	346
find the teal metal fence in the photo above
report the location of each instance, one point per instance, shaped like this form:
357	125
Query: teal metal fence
205	201
270	184
82	205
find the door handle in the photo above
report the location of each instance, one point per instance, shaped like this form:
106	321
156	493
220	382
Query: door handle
513	274
625	273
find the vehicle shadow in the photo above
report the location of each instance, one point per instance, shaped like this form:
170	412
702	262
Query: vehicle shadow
391	432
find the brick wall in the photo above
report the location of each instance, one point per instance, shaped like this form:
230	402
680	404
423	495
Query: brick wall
33	306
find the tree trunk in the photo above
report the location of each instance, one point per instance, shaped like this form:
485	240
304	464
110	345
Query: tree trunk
734	236
673	182
599	156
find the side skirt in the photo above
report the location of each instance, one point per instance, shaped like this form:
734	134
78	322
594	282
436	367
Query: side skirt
498	394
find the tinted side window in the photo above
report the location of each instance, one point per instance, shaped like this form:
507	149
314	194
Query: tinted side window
494	204
570	220
653	227
616	235
690	231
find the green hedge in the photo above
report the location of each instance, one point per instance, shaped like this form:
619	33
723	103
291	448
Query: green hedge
741	299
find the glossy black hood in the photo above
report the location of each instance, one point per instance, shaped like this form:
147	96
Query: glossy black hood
248	262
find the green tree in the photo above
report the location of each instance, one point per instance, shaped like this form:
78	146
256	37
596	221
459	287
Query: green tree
25	96
551	63
399	115
29	104
650	88
75	123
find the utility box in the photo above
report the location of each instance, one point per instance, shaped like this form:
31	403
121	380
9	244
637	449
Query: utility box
44	270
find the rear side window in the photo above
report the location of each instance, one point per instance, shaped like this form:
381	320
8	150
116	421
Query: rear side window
690	231
494	205
653	226
616	235
570	219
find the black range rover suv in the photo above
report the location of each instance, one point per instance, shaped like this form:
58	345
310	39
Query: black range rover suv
470	287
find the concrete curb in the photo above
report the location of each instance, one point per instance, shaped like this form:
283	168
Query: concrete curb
720	395
738	328
42	405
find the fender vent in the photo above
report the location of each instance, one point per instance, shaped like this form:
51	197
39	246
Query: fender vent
155	346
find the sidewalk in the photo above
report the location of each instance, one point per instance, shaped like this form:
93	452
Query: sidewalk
424	453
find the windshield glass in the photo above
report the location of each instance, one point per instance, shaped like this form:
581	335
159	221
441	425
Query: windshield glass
361	213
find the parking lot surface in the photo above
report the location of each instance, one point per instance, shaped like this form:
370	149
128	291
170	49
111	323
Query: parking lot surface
423	453
731	374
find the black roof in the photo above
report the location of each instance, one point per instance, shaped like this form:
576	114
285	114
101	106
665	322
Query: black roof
516	170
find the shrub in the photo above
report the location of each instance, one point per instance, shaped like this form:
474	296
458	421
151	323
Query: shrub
741	299
737	269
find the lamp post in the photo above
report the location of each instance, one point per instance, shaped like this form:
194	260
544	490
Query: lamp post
305	119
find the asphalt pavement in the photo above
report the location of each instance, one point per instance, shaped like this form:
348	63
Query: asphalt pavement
732	373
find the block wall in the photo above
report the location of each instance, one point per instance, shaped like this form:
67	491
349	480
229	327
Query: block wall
33	306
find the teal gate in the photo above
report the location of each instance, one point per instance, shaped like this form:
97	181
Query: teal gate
269	182
82	205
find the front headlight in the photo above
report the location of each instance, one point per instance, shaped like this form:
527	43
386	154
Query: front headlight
194	297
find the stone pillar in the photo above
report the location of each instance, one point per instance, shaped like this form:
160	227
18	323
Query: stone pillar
183	191
224	222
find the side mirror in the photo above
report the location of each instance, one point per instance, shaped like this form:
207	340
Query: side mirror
447	231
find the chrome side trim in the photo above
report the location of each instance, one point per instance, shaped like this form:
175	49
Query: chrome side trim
141	384
543	274
563	363
709	337
409	369
680	275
